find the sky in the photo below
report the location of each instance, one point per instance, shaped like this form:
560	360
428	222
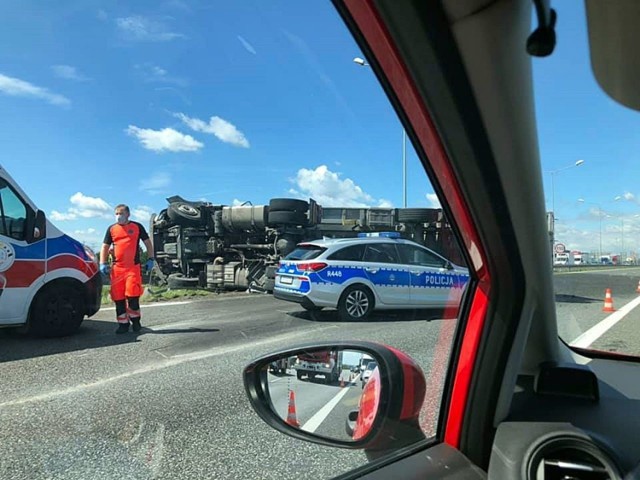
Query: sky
131	102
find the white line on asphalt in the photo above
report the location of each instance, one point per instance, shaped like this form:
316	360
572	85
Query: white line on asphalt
159	304
171	362
595	332
591	270
314	422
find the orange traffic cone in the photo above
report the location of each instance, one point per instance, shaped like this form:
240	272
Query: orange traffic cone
608	301
291	412
638	289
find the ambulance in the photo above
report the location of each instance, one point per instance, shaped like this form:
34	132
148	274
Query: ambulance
49	282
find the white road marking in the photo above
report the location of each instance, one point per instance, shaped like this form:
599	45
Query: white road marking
150	305
591	270
314	422
595	332
171	362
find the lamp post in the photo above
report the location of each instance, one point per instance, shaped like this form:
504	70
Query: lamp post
553	186
582	200
363	63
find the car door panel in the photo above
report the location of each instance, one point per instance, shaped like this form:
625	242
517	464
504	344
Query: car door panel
390	279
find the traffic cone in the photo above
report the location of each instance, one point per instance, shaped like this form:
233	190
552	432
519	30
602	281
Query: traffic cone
291	412
608	301
341	382
638	289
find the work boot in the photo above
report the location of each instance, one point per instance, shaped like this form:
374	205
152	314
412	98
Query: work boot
123	328
136	324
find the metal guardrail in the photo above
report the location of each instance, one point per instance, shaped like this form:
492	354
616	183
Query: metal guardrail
594	266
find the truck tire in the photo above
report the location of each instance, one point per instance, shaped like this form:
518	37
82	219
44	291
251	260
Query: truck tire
288	205
57	311
183	213
356	303
287	218
299	375
414	214
178	280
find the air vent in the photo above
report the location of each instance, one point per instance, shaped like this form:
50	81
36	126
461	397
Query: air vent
570	458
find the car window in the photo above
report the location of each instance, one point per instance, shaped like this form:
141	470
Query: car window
13	213
305	252
354	253
381	253
238	134
412	255
591	194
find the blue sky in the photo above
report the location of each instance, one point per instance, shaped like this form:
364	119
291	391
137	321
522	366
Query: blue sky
131	102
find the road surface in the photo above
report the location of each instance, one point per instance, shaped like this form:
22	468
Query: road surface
169	402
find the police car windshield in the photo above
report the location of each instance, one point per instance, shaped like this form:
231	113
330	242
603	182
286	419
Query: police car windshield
305	252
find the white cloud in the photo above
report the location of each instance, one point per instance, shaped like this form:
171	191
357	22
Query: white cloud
629	196
68	73
382	203
217	126
83	206
20	88
329	189
144	29
156	182
141	213
434	201
154	74
166	139
247	46
88	231
236	202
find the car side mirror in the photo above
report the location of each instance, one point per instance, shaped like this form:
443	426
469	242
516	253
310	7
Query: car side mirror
309	393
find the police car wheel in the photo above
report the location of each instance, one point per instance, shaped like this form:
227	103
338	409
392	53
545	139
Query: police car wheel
356	303
57	311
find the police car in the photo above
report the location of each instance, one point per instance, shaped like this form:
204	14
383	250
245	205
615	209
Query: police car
372	271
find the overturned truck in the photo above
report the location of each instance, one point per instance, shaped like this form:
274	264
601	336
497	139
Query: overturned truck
220	247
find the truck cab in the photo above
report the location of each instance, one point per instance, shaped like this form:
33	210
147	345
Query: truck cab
48	281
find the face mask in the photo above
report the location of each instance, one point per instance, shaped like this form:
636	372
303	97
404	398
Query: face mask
121	219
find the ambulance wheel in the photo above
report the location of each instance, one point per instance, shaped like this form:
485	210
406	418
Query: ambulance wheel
356	303
57	311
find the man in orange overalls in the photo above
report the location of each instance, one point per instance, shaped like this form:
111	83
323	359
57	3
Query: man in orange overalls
126	272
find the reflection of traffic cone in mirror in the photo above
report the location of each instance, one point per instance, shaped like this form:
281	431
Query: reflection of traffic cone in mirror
638	289
291	412
341	382
608	301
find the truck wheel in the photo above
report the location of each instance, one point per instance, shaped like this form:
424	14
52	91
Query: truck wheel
183	213
178	280
288	205
287	218
57	311
299	374
414	215
356	303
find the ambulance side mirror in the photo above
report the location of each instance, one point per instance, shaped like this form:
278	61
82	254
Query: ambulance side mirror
39	230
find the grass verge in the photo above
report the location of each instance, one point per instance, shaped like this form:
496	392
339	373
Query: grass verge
167	295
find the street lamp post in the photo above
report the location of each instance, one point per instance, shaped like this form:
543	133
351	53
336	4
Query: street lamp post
553	186
363	63
582	200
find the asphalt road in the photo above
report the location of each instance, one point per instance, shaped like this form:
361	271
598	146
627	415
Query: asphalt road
169	402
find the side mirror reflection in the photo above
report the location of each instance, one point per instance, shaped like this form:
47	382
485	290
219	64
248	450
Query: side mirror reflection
318	392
